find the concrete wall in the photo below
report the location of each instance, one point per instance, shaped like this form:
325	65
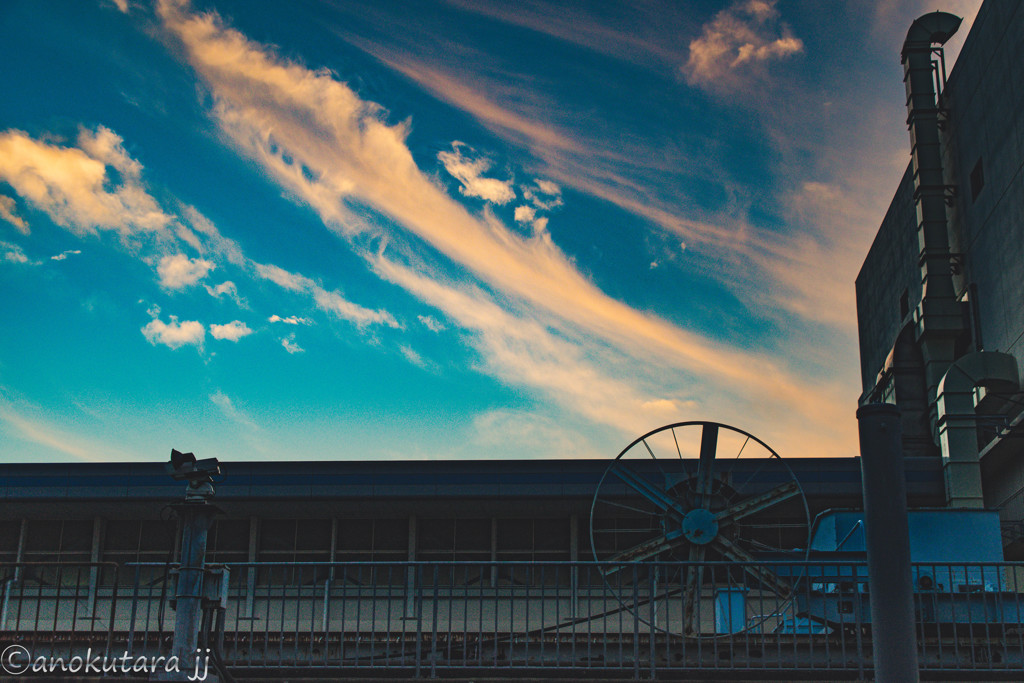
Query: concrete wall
986	102
889	269
986	124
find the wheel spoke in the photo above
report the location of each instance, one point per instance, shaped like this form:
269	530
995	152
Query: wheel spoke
652	493
767	578
693	577
655	459
750	506
700	514
706	466
617	504
739	485
646	550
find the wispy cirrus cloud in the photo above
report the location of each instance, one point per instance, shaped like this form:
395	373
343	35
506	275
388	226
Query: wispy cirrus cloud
74	186
228	408
64	254
325	145
726	238
228	289
431	323
328	301
521	351
290	320
25	422
638	32
8	213
13	253
291	346
469	170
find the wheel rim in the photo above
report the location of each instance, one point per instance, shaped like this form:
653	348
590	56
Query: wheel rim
669	497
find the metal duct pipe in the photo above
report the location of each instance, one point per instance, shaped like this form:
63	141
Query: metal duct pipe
939	318
958	424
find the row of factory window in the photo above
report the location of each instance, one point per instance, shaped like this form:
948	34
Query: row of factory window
59	552
305	540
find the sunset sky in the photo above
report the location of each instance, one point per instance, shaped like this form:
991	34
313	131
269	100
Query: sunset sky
463	229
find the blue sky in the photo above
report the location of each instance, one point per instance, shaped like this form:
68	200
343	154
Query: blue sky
379	230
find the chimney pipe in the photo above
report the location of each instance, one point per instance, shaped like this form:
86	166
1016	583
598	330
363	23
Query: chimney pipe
939	318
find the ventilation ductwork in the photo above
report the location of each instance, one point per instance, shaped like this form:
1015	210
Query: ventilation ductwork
958	424
939	319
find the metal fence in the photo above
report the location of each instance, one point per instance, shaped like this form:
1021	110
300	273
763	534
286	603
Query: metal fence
781	620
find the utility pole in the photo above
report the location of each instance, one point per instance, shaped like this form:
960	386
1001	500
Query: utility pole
196	514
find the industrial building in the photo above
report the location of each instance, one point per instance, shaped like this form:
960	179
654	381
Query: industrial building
579	567
940	305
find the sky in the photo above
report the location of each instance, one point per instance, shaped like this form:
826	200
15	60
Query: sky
325	229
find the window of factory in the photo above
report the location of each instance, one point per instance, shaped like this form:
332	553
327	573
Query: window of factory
146	541
533	540
64	546
291	544
372	540
615	534
459	540
977	179
228	541
58	541
10	531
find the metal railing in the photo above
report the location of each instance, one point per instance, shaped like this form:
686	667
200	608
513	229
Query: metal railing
59	609
783	619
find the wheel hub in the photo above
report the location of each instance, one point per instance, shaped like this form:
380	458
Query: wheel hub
700	526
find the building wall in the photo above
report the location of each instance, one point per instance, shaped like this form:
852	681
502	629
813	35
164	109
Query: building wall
316	512
986	103
890	271
983	137
985	130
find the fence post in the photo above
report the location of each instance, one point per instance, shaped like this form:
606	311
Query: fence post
636	623
417	569
887	534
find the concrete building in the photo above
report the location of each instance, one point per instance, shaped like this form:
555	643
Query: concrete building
473	568
362	511
940	299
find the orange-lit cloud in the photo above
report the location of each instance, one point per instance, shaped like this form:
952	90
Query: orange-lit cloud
178	271
735	46
8	213
328	147
327	301
73	186
70	183
24	422
469	170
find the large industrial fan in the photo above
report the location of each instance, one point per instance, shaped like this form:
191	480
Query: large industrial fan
690	510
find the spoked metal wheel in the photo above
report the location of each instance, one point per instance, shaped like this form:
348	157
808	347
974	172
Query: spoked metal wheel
691	493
